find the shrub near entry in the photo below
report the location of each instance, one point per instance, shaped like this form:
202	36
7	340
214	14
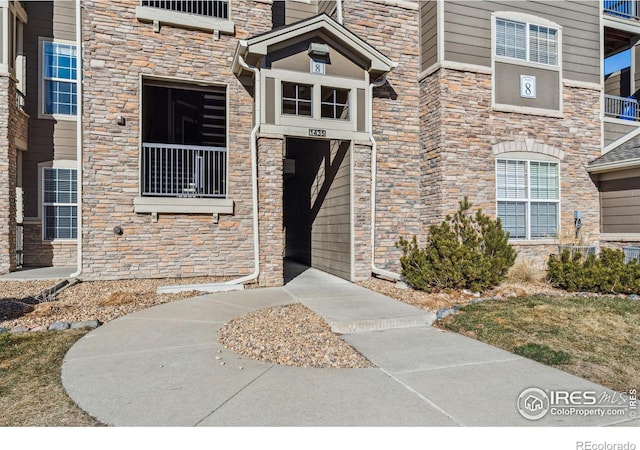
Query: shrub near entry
606	273
465	251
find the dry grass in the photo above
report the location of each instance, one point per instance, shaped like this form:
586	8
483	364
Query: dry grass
599	333
31	393
526	271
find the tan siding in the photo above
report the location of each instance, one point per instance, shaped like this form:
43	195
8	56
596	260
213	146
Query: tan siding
507	86
620	205
331	231
468	33
429	33
327	7
299	10
270	100
614	131
49	139
362	110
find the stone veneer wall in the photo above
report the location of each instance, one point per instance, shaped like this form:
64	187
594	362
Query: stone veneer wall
8	130
39	253
119	50
361	204
271	212
460	156
393	30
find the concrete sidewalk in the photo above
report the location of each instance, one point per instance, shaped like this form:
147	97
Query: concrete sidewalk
159	367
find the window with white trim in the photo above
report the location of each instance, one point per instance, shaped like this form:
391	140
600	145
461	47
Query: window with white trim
528	198
527	42
59	74
60	204
297	99
334	103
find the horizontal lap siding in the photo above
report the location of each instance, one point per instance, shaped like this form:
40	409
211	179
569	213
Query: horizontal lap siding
620	211
331	229
429	33
48	139
614	131
296	10
468	33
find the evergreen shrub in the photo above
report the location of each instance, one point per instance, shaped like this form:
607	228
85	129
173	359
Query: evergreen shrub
465	251
604	273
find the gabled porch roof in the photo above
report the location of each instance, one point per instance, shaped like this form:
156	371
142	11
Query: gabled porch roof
254	48
625	156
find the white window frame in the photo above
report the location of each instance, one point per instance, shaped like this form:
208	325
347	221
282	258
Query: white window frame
528	200
62	164
41	79
334	103
528	23
297	100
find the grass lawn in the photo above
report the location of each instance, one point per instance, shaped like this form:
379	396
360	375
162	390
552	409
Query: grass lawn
31	393
596	338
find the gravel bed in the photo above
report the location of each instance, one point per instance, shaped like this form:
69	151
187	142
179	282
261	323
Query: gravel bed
101	300
435	301
291	335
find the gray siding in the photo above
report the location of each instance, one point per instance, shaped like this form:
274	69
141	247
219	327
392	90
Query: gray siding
331	230
620	209
317	209
614	131
299	10
428	34
507	86
49	139
468	32
327	7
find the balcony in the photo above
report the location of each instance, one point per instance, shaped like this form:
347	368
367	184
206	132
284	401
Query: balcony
183	171
624	108
625	9
218	9
204	15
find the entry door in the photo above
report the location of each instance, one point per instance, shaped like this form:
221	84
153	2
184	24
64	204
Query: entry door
318	205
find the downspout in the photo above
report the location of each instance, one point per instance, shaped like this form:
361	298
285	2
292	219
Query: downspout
237	283
79	134
254	176
374	170
339	11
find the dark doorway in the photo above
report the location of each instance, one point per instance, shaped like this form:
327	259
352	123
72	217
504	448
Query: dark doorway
317	205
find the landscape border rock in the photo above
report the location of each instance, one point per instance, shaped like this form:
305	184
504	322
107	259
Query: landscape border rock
57	326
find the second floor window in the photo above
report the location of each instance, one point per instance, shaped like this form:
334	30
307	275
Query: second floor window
335	103
527	42
59	73
297	99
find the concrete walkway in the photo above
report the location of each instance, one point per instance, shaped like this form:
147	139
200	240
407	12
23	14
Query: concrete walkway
163	367
40	273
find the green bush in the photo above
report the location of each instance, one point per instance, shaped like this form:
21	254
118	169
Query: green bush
466	250
604	273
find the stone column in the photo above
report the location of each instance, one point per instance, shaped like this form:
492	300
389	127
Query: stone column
271	212
7	175
361	154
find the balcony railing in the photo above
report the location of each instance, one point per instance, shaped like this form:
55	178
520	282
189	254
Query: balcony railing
209	8
625	9
170	170
621	108
20	99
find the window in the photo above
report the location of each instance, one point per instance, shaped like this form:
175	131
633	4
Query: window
335	103
297	99
528	195
184	149
527	42
60	209
59	73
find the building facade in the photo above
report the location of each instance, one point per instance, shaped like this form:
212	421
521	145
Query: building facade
217	138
